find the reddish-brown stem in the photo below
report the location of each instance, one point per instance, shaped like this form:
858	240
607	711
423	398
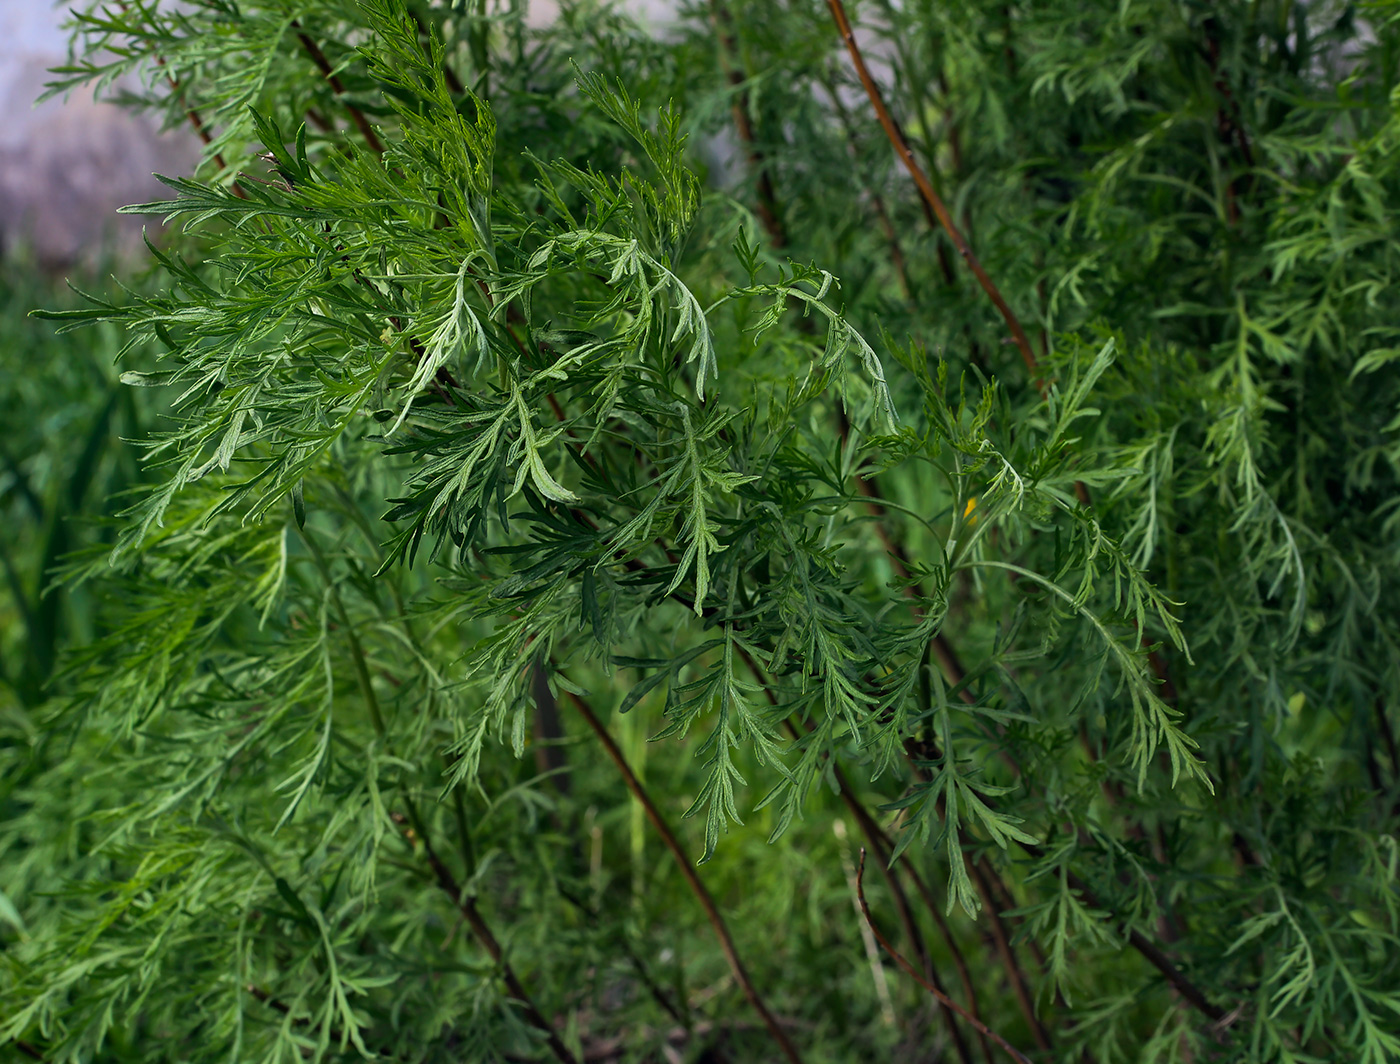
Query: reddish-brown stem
936	911
901	268
872	833
943	652
1227	117
1014	974
1159	960
943	998
328	72
767	206
482	930
1388	735
935	203
1148	949
883	846
877	202
196	121
953	670
880	844
687	869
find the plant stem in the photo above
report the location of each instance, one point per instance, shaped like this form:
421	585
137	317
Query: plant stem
1007	952
697	887
936	911
323	65
935	203
466	906
872	833
743	125
943	998
482	930
877	202
196	121
882	846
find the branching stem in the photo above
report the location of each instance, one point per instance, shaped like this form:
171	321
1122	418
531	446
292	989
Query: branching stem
445	879
743	126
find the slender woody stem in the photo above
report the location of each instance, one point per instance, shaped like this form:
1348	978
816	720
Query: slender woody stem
953	671
906	156
743	125
877	202
196	120
936	911
482	930
445	880
871	831
882	846
697	886
324	66
1007	952
943	998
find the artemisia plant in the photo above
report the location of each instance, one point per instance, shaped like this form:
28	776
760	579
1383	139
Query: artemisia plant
610	478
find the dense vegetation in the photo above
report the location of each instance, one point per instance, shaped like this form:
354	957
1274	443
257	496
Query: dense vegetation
613	506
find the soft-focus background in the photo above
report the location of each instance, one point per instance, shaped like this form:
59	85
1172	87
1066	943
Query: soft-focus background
67	165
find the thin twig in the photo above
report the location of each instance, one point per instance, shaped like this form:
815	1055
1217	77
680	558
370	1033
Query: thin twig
1228	119
883	847
877	202
936	911
673	1009
872	833
872	948
324	66
943	998
697	887
906	156
1007	952
743	126
196	121
465	905
482	930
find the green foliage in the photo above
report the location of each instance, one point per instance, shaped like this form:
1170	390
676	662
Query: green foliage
489	405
